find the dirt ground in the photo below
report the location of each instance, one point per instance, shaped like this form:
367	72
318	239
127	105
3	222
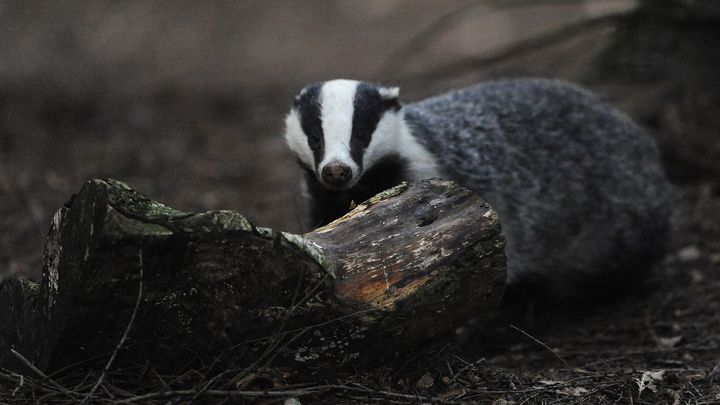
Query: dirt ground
186	104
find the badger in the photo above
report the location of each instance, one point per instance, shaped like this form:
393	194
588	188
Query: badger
578	187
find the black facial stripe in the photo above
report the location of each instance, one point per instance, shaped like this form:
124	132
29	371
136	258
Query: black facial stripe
368	110
308	106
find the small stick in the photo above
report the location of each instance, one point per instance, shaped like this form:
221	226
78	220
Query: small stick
37	371
222	393
14	377
319	389
22	382
28	364
124	335
536	340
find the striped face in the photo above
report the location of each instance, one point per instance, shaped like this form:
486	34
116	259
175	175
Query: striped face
339	128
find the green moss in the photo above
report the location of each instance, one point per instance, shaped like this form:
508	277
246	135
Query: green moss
214	221
389	193
29	286
311	249
118	225
145	216
137	204
131	213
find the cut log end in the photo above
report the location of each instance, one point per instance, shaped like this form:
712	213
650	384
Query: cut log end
428	256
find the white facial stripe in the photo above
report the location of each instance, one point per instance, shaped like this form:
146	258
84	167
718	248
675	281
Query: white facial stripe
384	140
337	99
297	140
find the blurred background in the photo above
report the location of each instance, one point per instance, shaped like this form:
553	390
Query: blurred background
185	100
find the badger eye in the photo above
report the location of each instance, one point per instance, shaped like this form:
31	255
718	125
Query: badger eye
314	138
363	136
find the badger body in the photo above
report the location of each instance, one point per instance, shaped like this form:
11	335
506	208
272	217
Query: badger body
578	187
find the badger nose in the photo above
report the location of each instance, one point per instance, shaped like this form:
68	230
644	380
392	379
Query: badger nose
336	174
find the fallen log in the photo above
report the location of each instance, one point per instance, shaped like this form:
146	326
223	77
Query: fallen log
124	275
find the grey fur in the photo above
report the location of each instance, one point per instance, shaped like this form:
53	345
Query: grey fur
578	186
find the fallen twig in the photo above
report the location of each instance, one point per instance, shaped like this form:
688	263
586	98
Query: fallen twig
286	393
37	371
124	335
538	341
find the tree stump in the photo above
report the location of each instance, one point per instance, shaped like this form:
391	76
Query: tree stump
410	264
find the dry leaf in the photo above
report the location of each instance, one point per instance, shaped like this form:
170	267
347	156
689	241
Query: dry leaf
425	381
572	391
453	392
649	380
549	382
668	343
689	253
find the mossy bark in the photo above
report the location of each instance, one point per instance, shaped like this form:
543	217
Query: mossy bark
412	263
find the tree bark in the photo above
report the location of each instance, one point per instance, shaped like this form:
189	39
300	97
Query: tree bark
410	264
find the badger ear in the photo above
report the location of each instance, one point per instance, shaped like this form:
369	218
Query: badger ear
391	97
298	97
389	93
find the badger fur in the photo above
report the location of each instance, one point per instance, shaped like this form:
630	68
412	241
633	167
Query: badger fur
578	187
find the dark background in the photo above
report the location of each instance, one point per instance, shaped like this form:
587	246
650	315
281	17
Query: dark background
186	100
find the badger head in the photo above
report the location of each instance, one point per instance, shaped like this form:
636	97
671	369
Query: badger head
340	128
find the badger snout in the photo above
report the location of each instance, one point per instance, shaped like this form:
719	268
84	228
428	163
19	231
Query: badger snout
336	174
